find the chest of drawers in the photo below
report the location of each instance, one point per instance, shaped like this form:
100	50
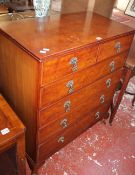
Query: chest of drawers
59	74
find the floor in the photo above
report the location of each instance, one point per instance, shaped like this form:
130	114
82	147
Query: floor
101	150
119	16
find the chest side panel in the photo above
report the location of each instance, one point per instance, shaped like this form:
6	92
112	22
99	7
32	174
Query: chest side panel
18	84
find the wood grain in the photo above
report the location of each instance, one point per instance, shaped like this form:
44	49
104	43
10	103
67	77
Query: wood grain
52	145
59	66
57	90
62	33
87	95
108	49
15	136
18	84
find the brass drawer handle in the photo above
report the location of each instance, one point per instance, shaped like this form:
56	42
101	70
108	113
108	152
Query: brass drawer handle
70	85
97	115
73	62
102	99
112	65
108	83
67	106
64	123
118	47
61	140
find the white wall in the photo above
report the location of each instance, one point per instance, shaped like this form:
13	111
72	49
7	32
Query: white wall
69	6
122	4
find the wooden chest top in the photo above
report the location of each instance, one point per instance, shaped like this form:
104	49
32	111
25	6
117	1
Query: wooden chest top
60	33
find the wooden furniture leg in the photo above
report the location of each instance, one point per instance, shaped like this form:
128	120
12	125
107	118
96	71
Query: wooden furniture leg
122	91
21	161
133	101
35	171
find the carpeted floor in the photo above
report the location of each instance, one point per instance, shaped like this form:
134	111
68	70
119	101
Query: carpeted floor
119	16
101	150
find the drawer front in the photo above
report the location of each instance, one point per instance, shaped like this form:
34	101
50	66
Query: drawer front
59	66
64	121
76	81
88	95
62	138
114	47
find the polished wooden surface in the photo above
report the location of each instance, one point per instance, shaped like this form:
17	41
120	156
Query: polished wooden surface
86	104
18	84
34	81
62	65
57	90
52	145
15	136
89	95
61	32
129	73
8	119
109	49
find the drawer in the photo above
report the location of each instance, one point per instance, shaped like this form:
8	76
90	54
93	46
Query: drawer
64	121
56	67
62	138
89	95
73	82
114	47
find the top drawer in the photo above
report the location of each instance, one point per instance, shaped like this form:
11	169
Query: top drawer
114	47
56	67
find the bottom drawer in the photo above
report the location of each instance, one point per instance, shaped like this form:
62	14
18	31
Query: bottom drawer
62	138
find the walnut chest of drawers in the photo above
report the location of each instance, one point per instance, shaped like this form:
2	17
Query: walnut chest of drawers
59	74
